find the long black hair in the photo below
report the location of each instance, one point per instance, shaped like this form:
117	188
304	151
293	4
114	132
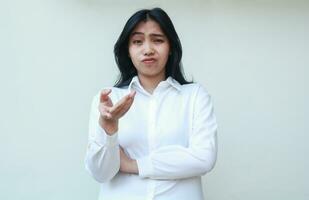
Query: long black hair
173	66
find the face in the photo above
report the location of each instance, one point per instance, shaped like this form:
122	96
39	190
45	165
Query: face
149	50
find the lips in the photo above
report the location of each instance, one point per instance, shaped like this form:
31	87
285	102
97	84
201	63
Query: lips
148	60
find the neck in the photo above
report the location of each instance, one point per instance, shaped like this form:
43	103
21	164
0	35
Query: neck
150	83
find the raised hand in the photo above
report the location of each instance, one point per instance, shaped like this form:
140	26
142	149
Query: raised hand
110	114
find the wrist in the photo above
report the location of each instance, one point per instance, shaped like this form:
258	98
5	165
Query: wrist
110	127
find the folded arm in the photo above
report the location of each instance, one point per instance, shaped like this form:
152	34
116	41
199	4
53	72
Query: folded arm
175	161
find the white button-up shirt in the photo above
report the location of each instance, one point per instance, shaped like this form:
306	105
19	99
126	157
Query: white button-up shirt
171	134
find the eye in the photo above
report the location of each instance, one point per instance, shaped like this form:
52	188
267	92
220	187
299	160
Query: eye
158	40
137	42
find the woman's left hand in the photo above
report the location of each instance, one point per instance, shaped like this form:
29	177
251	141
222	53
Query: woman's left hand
127	165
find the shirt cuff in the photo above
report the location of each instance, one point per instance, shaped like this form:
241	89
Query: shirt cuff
102	138
144	166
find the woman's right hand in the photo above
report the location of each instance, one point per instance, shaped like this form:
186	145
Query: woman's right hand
110	114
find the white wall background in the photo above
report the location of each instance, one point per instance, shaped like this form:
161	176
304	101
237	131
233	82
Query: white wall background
251	55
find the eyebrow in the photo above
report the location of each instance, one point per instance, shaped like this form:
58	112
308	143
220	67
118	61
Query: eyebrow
152	34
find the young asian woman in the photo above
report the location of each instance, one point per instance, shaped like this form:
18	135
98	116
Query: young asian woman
154	134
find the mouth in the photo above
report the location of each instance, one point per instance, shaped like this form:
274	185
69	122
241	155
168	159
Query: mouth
149	60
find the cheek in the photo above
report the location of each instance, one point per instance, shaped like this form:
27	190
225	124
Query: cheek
134	59
165	51
132	55
165	54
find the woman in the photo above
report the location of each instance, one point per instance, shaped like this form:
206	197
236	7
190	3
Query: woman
152	135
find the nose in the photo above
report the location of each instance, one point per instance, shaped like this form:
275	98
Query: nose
148	49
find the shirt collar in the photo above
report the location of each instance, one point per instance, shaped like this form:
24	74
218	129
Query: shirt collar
169	80
173	83
134	81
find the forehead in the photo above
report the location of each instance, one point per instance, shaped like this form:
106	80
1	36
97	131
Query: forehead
148	27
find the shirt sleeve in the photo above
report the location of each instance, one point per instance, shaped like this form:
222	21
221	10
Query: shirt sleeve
102	159
176	161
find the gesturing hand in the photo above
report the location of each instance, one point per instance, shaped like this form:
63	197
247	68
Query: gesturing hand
109	113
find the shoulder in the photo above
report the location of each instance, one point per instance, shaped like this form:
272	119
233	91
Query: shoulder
195	89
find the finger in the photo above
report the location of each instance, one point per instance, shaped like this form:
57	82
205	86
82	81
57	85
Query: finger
106	115
132	94
121	109
104	111
104	95
126	108
121	103
127	97
104	108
